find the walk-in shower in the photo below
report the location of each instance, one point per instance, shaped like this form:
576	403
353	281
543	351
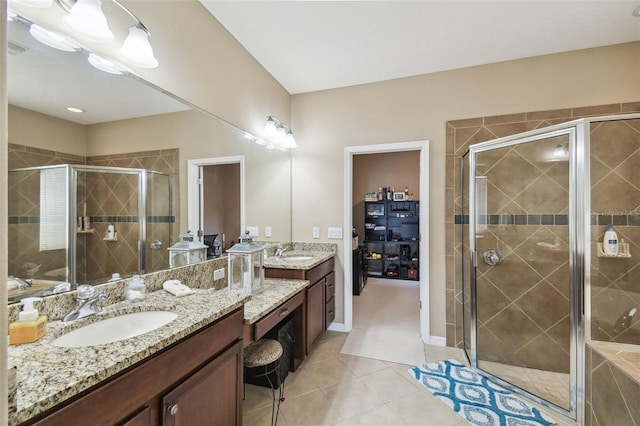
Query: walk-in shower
48	239
535	286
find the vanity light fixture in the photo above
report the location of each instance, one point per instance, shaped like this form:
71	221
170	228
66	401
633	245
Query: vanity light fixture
279	133
52	39
560	153
87	18
11	16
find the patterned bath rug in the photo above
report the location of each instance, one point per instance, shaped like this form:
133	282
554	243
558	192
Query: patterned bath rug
475	398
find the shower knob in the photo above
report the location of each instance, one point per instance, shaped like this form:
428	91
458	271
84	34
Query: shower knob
156	244
492	257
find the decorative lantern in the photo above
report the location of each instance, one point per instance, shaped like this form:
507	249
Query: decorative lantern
187	251
246	266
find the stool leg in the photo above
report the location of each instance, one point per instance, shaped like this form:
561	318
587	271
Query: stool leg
274	415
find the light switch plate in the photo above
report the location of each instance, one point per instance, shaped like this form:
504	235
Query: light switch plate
316	232
334	233
218	274
267	231
254	231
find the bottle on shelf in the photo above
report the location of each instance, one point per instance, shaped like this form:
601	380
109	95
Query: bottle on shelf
86	222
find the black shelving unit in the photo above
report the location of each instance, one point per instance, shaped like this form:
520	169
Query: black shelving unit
392	238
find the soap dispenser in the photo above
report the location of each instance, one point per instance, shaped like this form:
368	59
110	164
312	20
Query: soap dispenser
610	241
30	326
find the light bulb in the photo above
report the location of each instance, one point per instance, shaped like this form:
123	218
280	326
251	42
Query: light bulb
291	141
281	135
270	130
87	18
137	49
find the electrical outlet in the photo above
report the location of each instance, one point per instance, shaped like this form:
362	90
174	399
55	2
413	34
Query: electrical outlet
334	233
316	232
254	231
267	231
218	274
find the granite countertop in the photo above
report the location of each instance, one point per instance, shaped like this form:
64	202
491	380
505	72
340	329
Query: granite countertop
48	375
276	292
306	259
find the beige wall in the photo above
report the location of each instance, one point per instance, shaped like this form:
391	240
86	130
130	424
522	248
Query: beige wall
222	202
33	129
417	108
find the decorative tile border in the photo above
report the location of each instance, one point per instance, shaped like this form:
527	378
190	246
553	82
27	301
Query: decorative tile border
548	219
99	219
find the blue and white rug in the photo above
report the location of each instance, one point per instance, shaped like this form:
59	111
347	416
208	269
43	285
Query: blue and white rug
475	398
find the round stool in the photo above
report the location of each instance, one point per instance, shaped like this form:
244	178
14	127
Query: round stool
262	359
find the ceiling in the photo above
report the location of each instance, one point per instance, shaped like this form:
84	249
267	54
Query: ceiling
316	45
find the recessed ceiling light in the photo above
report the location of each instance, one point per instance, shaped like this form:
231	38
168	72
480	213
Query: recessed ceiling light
76	110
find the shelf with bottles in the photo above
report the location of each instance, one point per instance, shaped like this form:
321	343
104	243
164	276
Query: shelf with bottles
623	251
86	231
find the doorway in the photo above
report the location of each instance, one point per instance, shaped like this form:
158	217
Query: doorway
216	199
421	193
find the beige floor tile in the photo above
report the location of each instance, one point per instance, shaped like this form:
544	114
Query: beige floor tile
299	383
324	349
388	385
439	353
256	397
309	409
261	417
403	371
329	372
352	397
380	416
360	366
422	408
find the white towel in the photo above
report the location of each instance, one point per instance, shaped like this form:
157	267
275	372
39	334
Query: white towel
176	288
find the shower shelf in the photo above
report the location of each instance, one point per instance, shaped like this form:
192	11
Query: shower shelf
115	238
623	251
89	231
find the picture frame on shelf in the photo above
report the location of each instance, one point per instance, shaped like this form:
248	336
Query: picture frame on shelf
399	196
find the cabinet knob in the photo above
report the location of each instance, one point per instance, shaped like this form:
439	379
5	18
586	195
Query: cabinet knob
173	409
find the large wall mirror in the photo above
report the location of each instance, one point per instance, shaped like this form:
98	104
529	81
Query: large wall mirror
121	162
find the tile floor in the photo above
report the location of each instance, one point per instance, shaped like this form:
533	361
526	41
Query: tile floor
331	388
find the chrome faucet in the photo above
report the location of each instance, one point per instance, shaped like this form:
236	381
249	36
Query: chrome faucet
279	250
87	304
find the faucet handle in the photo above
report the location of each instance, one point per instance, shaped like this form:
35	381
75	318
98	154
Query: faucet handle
85	292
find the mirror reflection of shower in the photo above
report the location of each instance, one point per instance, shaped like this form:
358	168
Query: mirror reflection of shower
81	224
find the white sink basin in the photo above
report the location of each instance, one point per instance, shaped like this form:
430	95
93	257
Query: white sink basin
297	258
115	329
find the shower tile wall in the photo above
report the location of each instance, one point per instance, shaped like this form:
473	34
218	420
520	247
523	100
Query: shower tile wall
615	199
461	134
24	211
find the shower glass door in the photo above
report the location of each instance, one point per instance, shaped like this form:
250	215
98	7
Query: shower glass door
520	245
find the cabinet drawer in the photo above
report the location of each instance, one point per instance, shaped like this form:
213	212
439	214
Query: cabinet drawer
278	314
330	284
330	312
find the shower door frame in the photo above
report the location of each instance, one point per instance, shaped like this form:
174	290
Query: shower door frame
579	212
142	211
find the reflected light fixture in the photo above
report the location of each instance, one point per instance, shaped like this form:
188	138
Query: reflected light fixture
40	4
104	64
560	153
279	133
87	18
11	16
75	110
52	39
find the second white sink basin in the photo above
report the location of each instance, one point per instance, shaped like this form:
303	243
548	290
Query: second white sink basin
115	329
297	258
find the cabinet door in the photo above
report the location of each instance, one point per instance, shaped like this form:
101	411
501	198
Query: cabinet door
315	313
209	397
143	418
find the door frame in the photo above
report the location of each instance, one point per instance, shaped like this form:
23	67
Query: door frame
349	152
194	206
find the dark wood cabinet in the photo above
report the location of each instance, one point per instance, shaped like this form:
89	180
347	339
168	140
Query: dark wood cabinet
319	297
191	403
201	373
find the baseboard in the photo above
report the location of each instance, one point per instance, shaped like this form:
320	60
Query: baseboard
437	340
336	326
